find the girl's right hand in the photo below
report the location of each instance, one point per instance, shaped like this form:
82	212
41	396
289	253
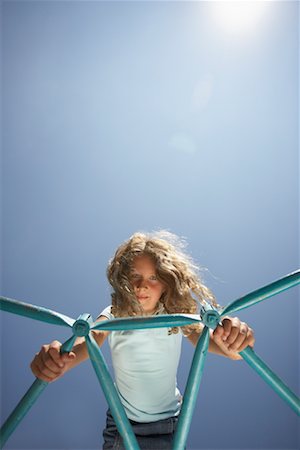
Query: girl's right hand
49	364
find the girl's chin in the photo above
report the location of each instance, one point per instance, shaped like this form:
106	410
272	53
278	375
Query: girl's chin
148	310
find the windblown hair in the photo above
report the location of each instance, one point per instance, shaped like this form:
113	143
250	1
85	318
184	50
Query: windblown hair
175	268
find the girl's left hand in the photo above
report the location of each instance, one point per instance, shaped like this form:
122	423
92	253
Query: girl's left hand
233	336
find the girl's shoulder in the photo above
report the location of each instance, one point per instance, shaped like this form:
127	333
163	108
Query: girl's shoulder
107	313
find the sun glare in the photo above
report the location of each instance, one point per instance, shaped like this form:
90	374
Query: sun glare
238	17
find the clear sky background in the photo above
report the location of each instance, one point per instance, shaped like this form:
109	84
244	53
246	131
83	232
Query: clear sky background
126	116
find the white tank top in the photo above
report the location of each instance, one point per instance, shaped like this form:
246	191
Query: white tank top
145	364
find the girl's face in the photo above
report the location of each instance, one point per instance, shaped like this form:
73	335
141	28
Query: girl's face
147	288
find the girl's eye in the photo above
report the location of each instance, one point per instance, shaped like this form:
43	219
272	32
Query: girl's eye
153	278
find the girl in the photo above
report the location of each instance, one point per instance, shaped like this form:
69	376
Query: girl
149	274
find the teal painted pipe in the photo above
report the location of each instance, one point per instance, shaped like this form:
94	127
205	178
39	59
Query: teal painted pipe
28	400
80	328
141	322
34	312
111	394
68	345
191	391
271	378
263	293
21	409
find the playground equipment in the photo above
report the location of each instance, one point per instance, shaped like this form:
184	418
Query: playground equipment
209	316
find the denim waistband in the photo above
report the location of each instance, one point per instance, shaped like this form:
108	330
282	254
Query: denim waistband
164	426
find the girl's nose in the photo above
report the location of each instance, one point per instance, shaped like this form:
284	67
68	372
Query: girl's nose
142	284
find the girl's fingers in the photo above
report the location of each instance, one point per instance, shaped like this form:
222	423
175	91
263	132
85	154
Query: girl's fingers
49	364
40	370
57	357
232	329
46	364
54	352
249	341
240	338
36	371
233	336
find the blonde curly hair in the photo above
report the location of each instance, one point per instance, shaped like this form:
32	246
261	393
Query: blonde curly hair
174	268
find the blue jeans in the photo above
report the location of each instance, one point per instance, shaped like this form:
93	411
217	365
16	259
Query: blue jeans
150	436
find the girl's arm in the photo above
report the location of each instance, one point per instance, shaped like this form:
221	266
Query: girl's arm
49	364
228	339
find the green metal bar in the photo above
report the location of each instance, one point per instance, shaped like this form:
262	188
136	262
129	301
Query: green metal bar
271	379
111	394
160	321
263	293
191	391
82	326
34	312
28	400
21	410
68	345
